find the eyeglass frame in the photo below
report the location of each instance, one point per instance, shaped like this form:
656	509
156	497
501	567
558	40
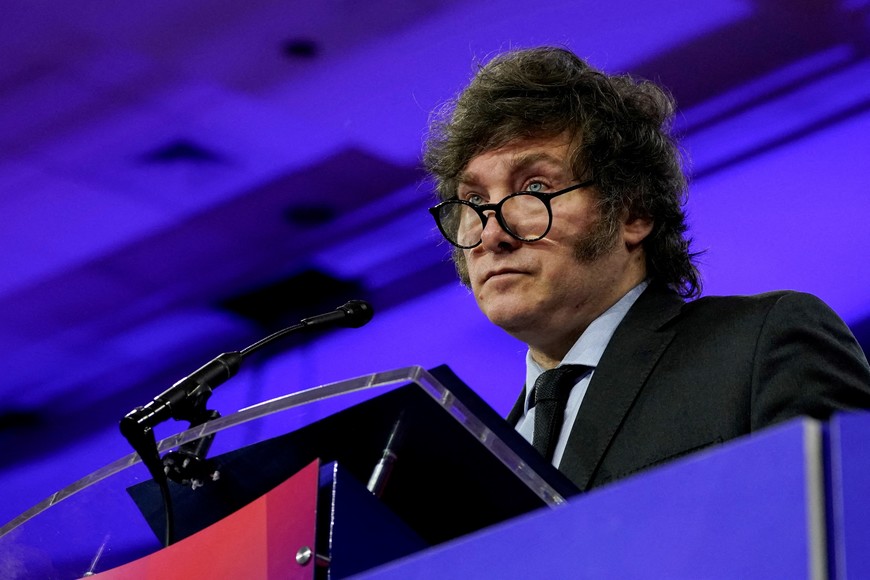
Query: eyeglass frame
545	197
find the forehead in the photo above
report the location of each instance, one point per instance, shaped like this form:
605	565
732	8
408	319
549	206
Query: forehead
552	153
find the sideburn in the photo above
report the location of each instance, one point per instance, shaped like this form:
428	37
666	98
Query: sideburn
461	267
600	239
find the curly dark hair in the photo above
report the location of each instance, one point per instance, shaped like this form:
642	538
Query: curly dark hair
621	127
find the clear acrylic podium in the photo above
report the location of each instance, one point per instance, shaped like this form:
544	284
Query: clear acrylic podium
422	462
465	497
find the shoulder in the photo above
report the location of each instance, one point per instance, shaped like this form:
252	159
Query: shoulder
781	303
778	315
660	308
776	318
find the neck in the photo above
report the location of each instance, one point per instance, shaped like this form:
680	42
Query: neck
546	360
551	349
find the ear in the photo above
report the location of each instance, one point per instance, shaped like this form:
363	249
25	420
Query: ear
635	229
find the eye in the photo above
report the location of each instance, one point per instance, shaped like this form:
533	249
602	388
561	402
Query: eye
536	187
473	198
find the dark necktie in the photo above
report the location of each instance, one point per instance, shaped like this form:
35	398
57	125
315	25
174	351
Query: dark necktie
550	398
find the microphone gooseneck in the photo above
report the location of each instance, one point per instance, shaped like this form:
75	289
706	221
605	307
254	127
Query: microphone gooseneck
180	400
186	401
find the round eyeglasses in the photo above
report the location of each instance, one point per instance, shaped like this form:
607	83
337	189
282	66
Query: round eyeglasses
525	215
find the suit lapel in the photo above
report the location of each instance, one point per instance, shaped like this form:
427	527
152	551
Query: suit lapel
624	367
517	411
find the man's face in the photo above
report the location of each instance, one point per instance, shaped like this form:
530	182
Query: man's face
546	292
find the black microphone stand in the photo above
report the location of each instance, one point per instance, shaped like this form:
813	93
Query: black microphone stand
187	399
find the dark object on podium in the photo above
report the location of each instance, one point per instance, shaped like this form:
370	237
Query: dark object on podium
443	482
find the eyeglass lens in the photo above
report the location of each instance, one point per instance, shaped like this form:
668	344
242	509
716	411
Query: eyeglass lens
525	216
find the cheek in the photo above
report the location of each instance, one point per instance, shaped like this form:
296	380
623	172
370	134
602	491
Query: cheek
460	261
574	216
570	226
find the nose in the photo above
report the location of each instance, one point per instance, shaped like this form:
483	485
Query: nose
493	238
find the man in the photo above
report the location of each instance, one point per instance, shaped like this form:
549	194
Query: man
590	267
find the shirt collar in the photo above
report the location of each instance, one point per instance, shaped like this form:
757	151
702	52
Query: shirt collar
591	344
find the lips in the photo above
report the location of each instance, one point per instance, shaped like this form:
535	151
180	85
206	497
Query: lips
501	272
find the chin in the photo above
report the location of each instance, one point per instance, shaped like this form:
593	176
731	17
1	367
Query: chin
509	317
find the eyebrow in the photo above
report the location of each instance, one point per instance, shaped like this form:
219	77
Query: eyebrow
526	160
518	163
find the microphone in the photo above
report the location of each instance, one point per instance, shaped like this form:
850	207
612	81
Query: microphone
353	314
384	468
186	398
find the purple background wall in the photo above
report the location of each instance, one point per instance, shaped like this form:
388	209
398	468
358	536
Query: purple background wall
180	179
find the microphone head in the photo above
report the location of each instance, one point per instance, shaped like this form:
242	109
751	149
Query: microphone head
357	313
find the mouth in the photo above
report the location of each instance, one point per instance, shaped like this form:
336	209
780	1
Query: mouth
501	273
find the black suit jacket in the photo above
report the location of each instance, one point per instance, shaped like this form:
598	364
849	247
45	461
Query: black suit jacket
677	377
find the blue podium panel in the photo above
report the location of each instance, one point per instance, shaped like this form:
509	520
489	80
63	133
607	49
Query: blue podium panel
850	495
753	508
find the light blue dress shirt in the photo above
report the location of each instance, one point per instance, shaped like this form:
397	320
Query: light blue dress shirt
586	351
